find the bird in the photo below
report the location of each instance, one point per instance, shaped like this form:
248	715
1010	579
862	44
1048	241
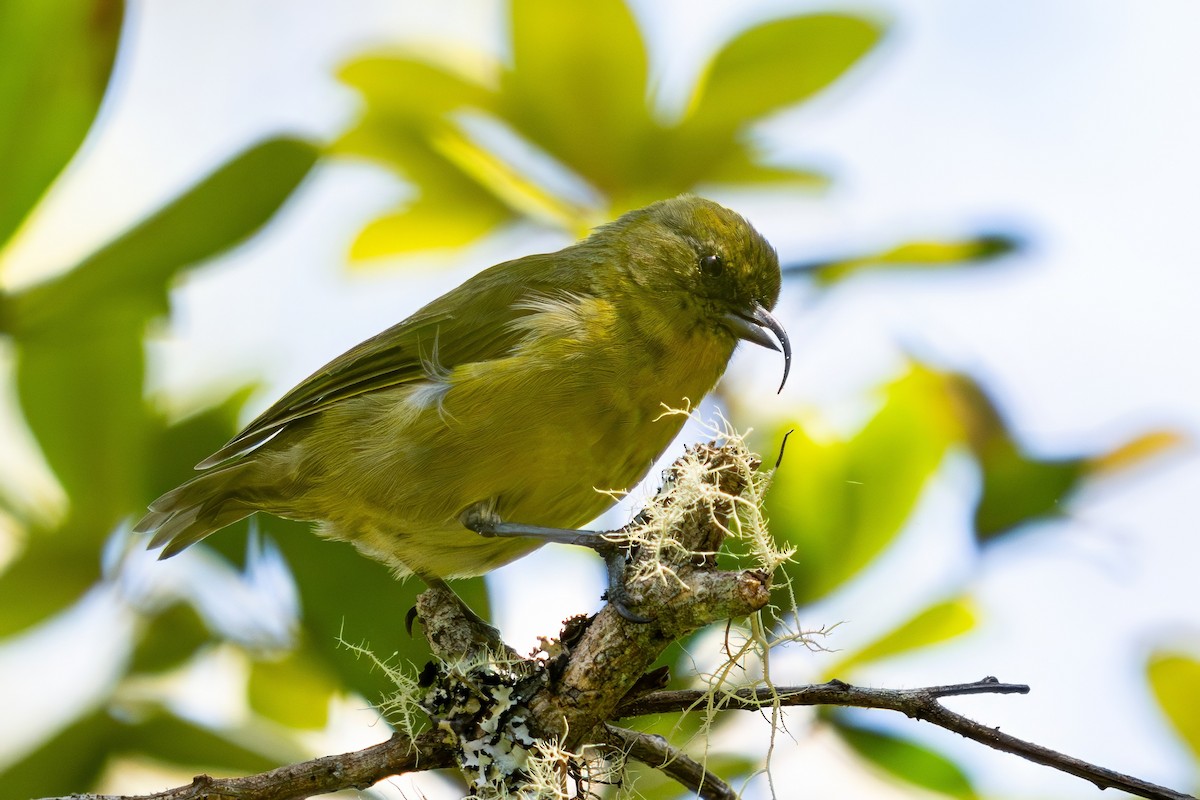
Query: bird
505	413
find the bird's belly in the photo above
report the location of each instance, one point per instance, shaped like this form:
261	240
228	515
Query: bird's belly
545	447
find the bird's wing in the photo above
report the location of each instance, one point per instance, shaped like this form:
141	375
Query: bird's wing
471	323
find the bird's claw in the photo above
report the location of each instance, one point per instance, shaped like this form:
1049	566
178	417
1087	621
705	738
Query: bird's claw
618	593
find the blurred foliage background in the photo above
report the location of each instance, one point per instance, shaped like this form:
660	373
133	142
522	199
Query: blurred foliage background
566	132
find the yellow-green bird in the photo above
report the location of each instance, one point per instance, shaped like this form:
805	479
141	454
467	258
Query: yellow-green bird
508	407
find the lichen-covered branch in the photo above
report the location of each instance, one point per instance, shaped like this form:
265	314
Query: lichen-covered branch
544	723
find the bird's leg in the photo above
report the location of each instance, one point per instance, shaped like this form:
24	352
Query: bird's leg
484	521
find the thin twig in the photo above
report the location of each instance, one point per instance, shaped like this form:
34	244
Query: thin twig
920	704
653	751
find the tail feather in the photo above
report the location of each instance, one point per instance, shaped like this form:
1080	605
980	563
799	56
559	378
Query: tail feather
203	505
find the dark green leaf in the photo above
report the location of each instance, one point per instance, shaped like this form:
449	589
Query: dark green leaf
74	759
906	760
69	762
1020	487
348	597
176	447
168	738
79	336
169	639
50	574
57	58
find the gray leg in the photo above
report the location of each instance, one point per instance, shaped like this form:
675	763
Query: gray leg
485	522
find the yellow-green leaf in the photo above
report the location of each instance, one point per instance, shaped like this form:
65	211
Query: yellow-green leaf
402	89
936	624
1136	452
738	167
842	502
777	64
916	255
293	689
427	224
1175	680
577	87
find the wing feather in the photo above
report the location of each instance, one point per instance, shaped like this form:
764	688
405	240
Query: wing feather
469	324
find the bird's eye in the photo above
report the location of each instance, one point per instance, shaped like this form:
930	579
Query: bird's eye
712	265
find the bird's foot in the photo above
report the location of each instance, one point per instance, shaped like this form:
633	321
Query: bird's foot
485	522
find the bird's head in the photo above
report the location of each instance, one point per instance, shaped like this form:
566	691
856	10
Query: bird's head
705	265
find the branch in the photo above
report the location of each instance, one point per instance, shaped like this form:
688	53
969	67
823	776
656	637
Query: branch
653	751
364	768
357	770
920	704
597	675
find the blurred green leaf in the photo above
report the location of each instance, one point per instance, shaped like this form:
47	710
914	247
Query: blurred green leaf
79	336
916	255
81	393
577	94
451	209
177	445
168	639
410	92
168	738
135	270
58	55
294	690
737	167
74	759
48	576
938	623
348	597
1175	680
577	87
428	224
778	64
904	759
841	503
648	783
69	762
1020	487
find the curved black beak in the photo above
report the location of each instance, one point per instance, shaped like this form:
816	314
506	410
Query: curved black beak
753	327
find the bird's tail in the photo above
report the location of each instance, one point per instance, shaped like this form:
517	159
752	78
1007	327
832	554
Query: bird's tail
206	503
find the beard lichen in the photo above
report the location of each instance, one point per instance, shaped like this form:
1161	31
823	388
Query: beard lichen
480	704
